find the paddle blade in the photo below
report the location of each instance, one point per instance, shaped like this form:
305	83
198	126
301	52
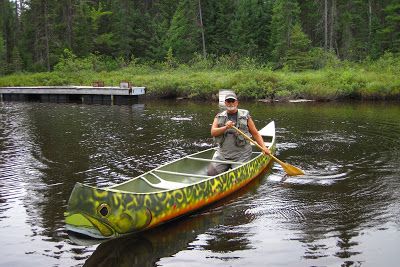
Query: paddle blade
292	170
289	169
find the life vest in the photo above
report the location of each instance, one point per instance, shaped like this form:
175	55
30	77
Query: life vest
241	124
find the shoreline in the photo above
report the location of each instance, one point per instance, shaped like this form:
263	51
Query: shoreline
265	85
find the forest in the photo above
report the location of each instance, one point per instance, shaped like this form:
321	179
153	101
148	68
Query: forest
271	46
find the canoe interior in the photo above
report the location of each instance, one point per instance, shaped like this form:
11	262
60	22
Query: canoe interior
177	174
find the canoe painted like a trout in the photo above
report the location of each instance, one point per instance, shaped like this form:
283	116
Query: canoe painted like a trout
165	193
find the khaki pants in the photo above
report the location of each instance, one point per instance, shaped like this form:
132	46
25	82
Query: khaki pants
215	168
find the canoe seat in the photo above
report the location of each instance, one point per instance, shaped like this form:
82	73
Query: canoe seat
163	184
268	144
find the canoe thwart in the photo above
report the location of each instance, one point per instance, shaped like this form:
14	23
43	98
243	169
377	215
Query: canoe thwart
217	161
183	174
163	184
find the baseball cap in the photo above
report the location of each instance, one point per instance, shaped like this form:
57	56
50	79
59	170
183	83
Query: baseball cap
231	96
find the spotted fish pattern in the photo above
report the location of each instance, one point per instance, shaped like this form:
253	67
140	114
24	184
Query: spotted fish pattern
106	213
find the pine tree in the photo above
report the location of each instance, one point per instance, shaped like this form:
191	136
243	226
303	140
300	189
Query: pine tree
311	20
183	36
16	61
3	62
82	33
353	29
251	28
7	27
102	37
374	38
162	13
218	17
285	15
134	29
298	56
391	30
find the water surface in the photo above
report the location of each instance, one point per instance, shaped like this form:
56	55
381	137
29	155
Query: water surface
344	212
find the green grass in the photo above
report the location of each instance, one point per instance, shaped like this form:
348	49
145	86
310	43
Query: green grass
373	81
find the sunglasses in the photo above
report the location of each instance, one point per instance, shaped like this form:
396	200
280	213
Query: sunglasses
230	100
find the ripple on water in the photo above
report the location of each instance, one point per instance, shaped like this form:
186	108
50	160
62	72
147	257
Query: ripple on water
329	175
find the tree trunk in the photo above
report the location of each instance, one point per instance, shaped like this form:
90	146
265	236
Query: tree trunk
17	26
326	26
69	19
369	22
332	33
202	30
46	34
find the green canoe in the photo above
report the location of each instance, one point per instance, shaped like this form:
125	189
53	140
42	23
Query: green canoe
165	193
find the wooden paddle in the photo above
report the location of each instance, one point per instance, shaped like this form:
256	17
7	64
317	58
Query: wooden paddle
289	169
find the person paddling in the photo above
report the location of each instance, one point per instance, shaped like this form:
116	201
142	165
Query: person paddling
232	146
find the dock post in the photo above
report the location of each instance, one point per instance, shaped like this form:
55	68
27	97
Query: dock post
1	97
112	99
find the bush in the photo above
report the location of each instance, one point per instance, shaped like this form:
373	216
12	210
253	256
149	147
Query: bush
198	62
389	62
69	63
321	59
228	62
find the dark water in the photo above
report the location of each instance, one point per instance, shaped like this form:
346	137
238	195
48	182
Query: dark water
344	212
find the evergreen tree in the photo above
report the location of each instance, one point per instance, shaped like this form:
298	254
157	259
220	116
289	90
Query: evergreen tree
162	13
312	21
217	19
298	56
7	24
133	28
82	32
353	29
375	10
285	15
391	30
37	41
16	61
251	28
102	37
183	36
3	62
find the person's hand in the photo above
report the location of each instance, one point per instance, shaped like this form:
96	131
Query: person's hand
229	124
266	151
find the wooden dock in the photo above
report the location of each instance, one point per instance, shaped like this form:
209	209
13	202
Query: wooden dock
63	94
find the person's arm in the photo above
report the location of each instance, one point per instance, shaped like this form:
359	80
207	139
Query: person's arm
256	135
217	131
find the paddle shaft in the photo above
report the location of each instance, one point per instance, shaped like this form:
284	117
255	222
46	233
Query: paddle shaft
252	141
289	169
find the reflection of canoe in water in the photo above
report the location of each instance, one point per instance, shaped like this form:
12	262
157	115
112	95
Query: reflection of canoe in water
146	248
165	193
